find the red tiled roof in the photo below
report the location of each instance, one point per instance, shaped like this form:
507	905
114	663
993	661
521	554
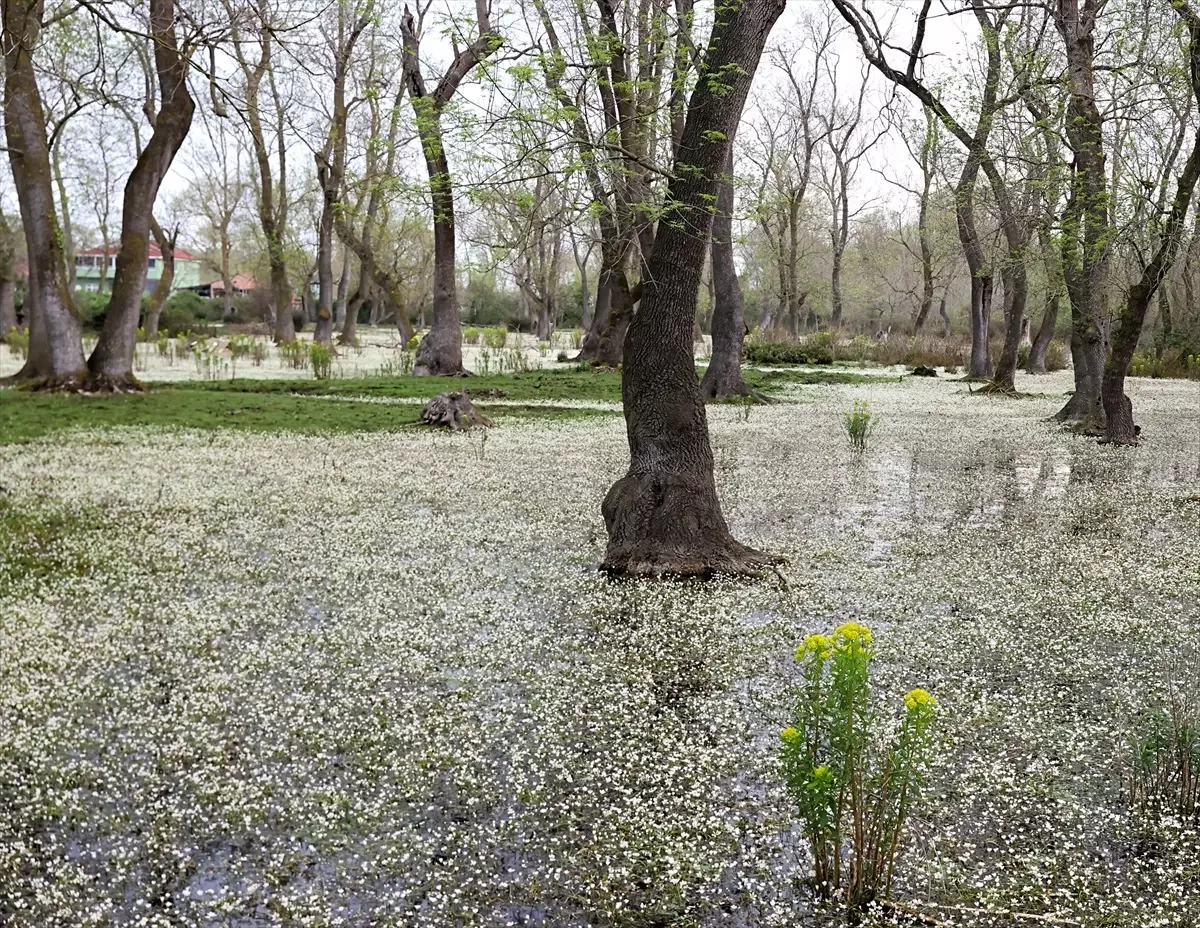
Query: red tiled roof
155	252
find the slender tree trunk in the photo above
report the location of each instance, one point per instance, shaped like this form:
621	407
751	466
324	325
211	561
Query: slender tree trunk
349	334
724	375
68	233
663	516
55	359
226	275
945	317
111	365
1045	334
323	332
162	289
343	293
981	275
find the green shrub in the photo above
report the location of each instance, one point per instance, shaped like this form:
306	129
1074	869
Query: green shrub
859	423
1056	358
471	336
774	353
853	788
495	338
18	342
1023	355
176	321
1165	775
413	343
321	357
92	308
294	353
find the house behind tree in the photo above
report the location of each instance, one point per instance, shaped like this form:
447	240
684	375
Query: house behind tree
90	262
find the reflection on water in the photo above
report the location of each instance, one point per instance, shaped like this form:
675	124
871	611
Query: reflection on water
898	490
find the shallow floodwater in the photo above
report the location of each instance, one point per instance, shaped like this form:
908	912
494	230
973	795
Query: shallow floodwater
373	680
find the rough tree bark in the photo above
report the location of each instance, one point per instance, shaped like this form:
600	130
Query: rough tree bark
55	359
440	351
1119	427
1086	221
162	289
663	516
724	375
110	366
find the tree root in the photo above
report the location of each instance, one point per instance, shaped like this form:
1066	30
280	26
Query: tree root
733	560
106	383
669	524
453	411
59	383
996	388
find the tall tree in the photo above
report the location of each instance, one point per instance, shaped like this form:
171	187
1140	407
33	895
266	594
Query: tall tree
331	160
440	351
992	21
1119	426
55	359
110	366
664	516
271	173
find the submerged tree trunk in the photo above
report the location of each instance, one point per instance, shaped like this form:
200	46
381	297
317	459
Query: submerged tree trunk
664	516
724	375
55	359
111	365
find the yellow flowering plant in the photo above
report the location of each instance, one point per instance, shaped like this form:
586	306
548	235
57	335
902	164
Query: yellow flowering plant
852	789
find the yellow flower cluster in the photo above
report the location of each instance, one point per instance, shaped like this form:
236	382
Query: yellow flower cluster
820	646
790	735
918	699
851	632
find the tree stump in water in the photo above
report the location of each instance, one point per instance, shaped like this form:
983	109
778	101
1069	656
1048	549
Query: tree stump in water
454	411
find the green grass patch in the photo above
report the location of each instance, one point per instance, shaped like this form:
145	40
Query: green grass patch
41	544
28	416
602	386
295	405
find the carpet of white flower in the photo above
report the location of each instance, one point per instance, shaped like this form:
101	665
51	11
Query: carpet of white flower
376	679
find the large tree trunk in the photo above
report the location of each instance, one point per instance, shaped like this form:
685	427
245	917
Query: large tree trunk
55	359
1086	220
724	375
440	351
111	365
663	516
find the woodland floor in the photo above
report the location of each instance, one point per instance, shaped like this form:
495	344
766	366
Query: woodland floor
304	664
